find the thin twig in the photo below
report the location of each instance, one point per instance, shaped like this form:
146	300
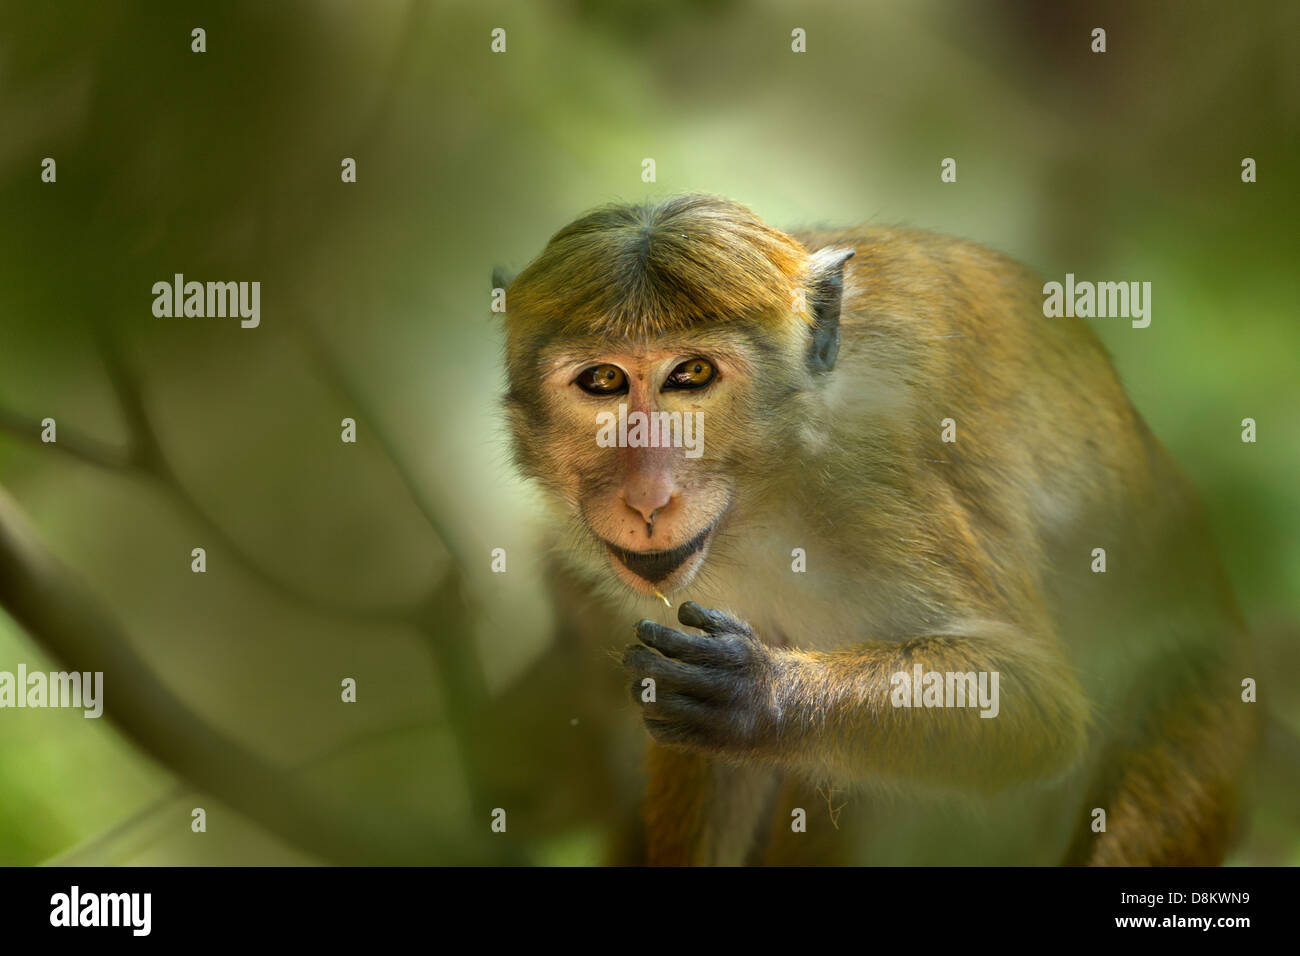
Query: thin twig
91	451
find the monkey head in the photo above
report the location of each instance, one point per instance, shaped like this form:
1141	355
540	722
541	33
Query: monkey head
659	360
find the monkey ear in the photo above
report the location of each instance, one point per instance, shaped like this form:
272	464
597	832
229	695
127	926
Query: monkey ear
825	290
499	278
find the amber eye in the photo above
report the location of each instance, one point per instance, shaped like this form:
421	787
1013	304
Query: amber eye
602	380
694	373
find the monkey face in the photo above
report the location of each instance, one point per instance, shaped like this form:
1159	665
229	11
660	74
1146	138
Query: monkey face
640	443
660	360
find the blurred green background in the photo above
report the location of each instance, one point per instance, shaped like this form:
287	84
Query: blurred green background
372	561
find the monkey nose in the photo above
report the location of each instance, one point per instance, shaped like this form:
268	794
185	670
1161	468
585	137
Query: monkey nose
647	502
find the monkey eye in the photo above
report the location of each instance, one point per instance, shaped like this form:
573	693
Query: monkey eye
693	373
602	380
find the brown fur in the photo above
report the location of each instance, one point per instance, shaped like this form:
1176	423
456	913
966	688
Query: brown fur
1119	690
624	271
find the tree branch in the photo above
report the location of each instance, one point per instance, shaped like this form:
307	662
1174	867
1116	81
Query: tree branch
51	605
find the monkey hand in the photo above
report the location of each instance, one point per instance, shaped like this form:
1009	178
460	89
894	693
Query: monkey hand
715	692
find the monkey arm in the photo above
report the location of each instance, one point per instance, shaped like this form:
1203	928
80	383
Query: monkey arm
845	714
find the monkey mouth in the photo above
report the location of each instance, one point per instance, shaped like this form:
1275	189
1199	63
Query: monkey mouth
655	566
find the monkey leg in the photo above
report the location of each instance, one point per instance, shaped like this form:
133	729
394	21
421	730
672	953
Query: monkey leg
701	812
826	836
1171	789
